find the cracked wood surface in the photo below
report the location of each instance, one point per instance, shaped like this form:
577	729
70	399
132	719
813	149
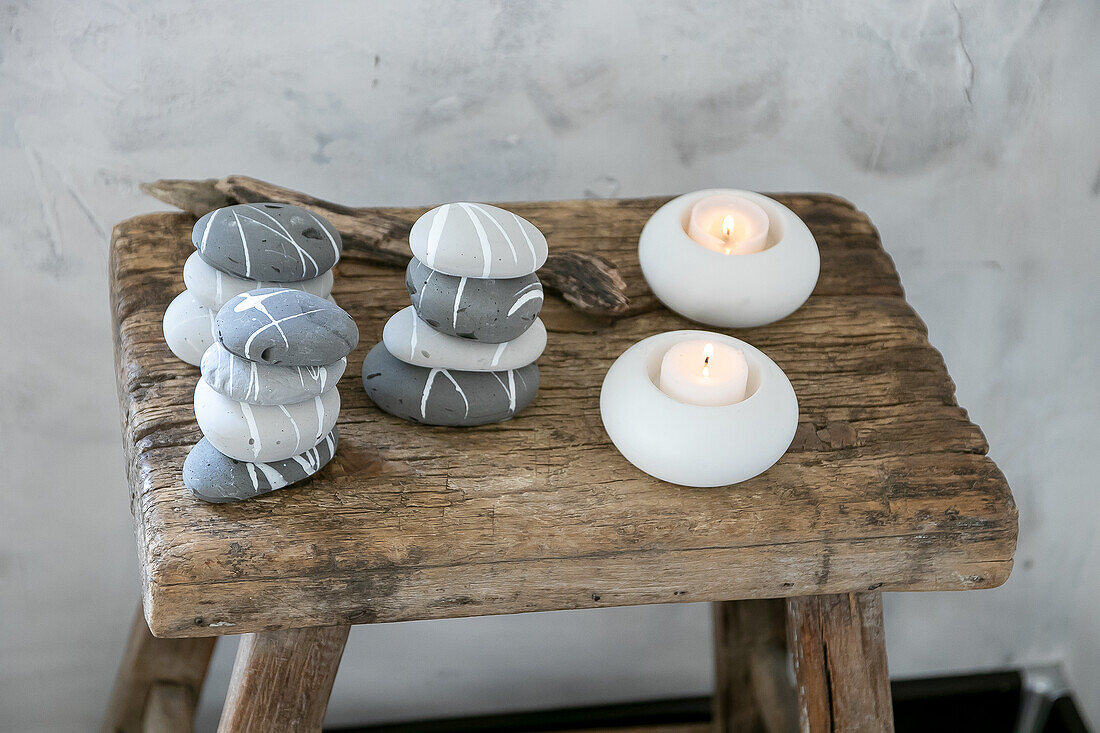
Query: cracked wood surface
887	485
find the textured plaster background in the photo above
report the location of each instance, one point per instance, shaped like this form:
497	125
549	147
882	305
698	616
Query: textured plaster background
968	131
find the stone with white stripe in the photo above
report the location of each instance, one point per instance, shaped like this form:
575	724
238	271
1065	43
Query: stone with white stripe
188	327
213	288
477	240
286	327
266	384
267	241
263	433
491	310
415	342
446	396
215	477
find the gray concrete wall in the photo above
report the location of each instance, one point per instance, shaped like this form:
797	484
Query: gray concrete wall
968	131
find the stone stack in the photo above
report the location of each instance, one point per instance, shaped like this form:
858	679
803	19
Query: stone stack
242	248
464	352
267	401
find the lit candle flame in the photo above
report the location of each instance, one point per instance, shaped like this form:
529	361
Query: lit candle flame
727	226
727	232
708	351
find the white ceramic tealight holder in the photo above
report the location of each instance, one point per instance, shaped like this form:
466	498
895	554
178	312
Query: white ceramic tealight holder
695	445
729	290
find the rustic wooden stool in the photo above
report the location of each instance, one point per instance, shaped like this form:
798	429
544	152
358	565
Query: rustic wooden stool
886	487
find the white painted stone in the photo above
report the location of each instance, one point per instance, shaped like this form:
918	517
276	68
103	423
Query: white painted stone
213	288
188	327
263	433
414	342
477	240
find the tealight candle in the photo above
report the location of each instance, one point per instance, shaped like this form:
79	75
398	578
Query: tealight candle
729	224
729	258
675	423
704	373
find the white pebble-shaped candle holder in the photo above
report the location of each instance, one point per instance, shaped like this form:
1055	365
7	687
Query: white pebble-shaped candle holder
695	445
729	290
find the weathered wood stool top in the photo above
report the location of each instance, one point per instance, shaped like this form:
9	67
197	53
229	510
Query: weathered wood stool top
887	485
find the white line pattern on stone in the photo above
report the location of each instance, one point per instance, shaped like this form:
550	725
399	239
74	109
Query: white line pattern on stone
205	232
253	430
331	239
434	232
301	252
297	433
483	238
533	295
490	217
244	246
458	389
458	299
526	237
427	392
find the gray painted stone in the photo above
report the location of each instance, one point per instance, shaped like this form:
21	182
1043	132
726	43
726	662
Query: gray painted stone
188	327
415	342
273	242
213	288
215	477
493	310
477	240
446	396
266	384
263	433
286	327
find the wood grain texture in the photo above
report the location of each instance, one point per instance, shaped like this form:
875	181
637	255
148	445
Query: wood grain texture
886	485
149	664
282	680
752	691
839	648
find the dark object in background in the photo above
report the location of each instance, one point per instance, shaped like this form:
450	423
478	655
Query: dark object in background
991	702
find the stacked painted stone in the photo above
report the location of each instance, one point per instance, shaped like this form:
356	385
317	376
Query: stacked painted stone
242	248
267	402
464	352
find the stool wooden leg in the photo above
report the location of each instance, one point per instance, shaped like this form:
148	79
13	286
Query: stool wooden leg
753	693
148	664
282	679
840	662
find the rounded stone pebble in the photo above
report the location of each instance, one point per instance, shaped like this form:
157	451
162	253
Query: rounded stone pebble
415	342
286	327
213	288
267	241
446	396
263	433
265	384
477	240
215	477
188	327
492	310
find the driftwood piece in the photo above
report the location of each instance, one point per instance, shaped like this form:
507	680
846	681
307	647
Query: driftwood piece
195	197
839	648
282	680
886	485
380	236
